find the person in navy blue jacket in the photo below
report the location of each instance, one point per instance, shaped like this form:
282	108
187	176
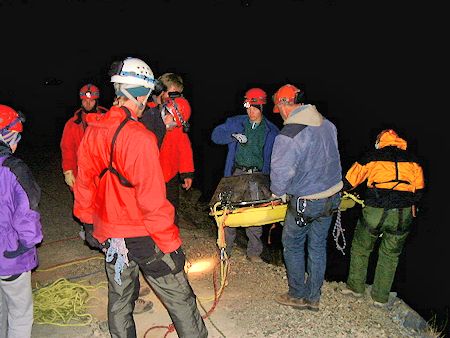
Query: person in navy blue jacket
20	229
250	138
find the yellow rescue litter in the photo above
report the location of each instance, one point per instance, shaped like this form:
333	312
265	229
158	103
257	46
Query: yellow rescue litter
254	215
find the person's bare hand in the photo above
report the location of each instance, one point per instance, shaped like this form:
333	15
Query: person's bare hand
187	183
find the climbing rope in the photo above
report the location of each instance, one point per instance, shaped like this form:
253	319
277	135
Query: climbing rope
338	231
63	303
218	291
75	261
224	262
220	231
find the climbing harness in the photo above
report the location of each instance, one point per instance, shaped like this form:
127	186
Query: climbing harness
396	180
110	167
300	207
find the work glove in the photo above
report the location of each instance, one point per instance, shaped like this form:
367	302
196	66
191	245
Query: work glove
349	200
69	178
241	138
19	251
282	197
346	203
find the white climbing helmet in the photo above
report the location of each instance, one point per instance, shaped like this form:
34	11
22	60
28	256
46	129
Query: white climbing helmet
132	71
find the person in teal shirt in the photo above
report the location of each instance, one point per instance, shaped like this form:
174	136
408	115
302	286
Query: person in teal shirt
250	139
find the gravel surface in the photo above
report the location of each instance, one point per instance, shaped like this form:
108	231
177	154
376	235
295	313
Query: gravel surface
249	300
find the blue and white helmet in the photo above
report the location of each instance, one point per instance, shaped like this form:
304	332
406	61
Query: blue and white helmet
132	78
133	71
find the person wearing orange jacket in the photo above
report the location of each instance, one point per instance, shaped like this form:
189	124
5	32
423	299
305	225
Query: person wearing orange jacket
176	155
120	197
72	134
74	130
395	184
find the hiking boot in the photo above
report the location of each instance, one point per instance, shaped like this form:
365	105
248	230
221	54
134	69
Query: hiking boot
255	259
313	306
144	291
142	305
349	292
285	299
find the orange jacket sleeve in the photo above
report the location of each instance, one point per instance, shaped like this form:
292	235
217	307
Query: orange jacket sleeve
186	155
69	147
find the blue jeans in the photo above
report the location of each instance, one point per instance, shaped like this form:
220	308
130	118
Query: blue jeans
318	215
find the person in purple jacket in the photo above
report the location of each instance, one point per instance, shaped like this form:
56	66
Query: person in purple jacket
20	229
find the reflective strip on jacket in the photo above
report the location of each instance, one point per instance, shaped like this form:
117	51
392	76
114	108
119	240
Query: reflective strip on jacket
115	210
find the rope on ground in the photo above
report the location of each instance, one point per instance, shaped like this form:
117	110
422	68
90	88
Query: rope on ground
75	261
60	240
217	294
63	303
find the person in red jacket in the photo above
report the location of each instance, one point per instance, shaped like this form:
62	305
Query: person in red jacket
74	131
120	197
167	84
176	156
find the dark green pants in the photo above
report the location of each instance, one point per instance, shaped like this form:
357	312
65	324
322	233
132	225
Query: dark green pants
174	291
393	226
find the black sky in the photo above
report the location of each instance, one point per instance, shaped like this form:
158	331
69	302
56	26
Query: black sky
366	65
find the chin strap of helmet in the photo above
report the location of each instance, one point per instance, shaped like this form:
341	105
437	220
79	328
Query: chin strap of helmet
140	105
184	124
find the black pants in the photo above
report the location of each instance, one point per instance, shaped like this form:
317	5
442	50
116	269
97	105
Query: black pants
173	290
173	193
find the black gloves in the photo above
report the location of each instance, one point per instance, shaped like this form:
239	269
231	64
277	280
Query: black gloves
92	242
19	251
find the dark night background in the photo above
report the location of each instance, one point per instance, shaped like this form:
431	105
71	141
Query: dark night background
367	66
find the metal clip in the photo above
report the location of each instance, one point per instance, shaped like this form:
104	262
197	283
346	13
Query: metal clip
222	254
299	220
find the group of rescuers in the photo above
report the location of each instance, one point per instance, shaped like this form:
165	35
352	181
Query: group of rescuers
125	166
